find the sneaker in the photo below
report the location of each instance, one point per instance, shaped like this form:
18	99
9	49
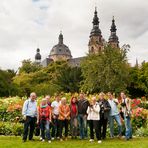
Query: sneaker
91	140
49	141
58	138
99	141
43	140
61	139
52	138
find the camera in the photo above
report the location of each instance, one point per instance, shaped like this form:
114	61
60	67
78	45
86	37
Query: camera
123	104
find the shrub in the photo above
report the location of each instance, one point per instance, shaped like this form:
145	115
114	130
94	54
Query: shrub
8	128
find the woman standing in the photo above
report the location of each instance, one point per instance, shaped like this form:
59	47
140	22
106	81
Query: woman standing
93	118
73	117
64	117
104	114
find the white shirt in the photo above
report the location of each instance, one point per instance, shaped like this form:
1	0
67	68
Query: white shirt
29	108
55	105
93	112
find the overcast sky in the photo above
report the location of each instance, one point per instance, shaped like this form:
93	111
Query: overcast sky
28	24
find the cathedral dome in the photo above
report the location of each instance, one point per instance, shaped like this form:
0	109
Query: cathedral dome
60	51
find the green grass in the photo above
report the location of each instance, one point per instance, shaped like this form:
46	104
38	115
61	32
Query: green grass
16	142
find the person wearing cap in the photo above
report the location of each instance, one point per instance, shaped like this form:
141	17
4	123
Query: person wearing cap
44	119
64	118
29	113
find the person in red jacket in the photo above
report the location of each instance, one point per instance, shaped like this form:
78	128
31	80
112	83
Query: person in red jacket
44	119
74	117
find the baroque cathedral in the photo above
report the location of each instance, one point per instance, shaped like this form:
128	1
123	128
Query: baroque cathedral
96	44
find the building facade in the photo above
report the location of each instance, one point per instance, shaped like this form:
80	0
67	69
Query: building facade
96	44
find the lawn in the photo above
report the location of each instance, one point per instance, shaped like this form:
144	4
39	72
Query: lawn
14	142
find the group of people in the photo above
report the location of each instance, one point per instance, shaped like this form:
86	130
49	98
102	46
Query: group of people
53	117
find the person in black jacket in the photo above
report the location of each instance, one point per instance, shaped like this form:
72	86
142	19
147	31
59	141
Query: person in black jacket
82	115
104	114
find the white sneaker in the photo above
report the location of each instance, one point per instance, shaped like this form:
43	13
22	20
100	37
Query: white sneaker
52	138
61	139
43	140
99	141
91	140
49	141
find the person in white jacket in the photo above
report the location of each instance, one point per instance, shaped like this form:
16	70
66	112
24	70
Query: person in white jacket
93	118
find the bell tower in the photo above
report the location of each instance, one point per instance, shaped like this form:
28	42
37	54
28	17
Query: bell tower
113	39
95	42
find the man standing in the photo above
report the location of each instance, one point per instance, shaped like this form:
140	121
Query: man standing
29	113
114	114
55	115
82	116
126	109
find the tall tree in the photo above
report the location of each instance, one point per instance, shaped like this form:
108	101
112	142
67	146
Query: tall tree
105	71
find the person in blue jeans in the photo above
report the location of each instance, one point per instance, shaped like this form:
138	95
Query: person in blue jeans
126	109
44	119
82	116
114	115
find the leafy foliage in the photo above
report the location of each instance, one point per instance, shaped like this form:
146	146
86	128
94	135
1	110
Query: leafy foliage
106	71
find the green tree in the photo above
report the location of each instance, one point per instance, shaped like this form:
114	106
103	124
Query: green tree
69	79
28	66
143	77
106	71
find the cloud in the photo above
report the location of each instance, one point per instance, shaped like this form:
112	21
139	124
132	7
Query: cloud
27	24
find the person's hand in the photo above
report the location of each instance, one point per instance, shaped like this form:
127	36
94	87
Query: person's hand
24	117
37	122
54	117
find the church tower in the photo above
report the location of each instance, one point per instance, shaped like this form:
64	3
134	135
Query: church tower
38	56
113	39
96	42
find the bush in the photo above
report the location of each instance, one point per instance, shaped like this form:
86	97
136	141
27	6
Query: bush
142	132
7	128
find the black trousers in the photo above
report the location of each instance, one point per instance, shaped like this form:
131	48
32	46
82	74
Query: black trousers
63	124
55	128
95	124
29	123
103	123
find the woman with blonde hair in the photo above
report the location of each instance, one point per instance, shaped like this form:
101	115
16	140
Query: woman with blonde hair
64	117
93	118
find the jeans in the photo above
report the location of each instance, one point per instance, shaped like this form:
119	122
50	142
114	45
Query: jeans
128	127
82	119
95	124
45	126
30	122
74	124
111	125
63	124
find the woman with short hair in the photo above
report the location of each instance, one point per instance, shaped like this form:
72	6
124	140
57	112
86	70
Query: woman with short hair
64	117
93	118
